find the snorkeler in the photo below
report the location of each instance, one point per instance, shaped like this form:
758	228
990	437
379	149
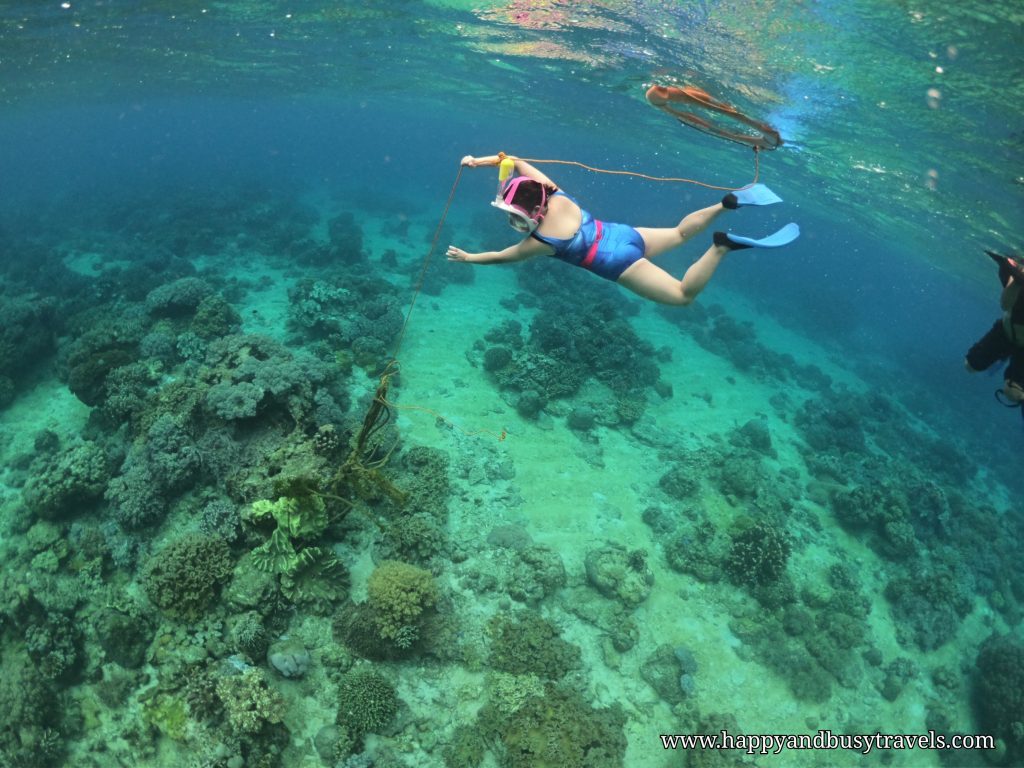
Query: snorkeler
555	225
1005	339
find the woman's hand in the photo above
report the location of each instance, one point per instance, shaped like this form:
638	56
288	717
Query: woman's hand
457	254
469	160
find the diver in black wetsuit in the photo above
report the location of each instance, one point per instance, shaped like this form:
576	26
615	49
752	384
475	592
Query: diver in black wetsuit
1005	340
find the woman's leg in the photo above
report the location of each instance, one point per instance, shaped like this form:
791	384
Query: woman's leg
658	240
652	282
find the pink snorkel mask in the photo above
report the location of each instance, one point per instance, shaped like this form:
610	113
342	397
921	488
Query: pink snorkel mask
518	217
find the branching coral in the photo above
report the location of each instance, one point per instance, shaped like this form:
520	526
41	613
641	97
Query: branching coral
249	702
399	594
758	555
367	702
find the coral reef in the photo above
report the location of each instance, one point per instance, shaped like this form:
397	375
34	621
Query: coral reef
416	539
28	326
526	643
999	692
29	715
178	298
184	577
558	730
929	597
563	350
69	483
357	314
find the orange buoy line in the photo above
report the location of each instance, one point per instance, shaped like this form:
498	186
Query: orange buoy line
679	179
659	96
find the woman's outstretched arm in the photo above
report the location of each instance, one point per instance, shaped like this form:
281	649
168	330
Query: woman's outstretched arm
521	251
522	168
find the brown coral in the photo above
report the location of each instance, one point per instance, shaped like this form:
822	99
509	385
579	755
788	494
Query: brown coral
399	594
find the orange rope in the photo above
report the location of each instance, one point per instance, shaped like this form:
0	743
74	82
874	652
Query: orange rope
757	171
468	433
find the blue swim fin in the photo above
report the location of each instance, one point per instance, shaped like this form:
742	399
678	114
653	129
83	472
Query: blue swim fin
784	236
757	194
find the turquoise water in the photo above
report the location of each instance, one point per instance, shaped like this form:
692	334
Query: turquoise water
574	521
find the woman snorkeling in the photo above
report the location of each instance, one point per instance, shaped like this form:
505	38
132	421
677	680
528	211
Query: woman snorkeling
555	225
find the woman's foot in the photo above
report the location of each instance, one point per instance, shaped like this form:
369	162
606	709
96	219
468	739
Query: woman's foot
756	194
784	236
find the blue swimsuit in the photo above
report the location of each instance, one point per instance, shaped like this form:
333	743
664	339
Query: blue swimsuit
605	249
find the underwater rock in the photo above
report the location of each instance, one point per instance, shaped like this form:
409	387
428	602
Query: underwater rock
289	657
496	358
250	587
661	521
680	482
7	391
999	690
897	674
530	403
582	418
537	573
123	637
687	685
620	574
669	671
686	660
612	619
755	436
509	537
346	238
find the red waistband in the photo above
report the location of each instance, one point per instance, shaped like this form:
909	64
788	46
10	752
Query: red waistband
592	250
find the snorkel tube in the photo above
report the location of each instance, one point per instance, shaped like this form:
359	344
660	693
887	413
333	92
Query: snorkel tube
505	169
523	222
